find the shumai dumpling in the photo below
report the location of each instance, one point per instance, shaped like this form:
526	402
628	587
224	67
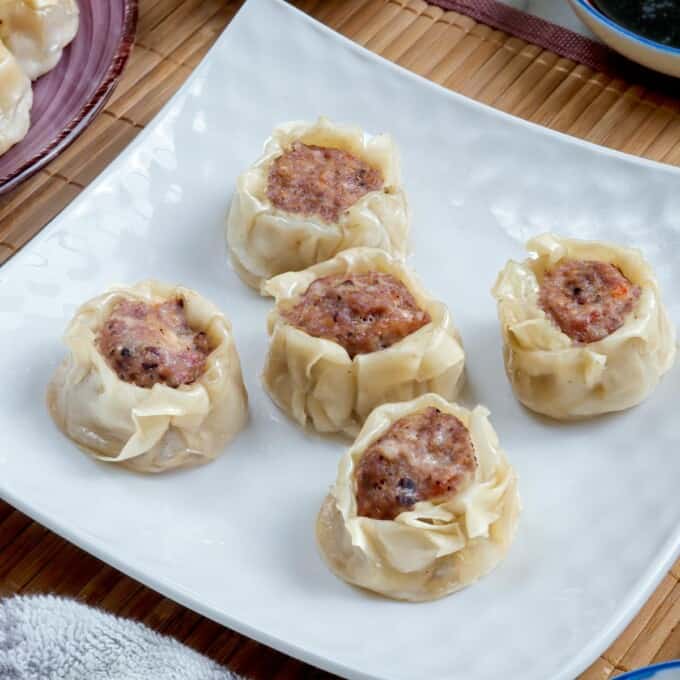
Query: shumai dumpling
152	379
584	328
16	99
318	189
425	501
355	332
36	31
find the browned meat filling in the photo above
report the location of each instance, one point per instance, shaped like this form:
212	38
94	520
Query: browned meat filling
423	456
587	299
147	344
316	180
362	312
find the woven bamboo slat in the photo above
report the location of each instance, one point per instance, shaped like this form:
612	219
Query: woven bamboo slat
450	49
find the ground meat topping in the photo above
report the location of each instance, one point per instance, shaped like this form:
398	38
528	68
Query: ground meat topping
316	180
587	299
423	456
362	312
147	344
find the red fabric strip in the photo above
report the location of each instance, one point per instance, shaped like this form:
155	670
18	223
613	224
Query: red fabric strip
538	31
559	40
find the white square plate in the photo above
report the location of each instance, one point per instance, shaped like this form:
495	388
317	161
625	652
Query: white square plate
234	540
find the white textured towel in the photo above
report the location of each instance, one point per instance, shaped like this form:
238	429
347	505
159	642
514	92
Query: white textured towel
49	638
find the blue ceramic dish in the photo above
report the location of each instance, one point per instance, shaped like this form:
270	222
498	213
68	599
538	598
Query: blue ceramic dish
661	671
642	50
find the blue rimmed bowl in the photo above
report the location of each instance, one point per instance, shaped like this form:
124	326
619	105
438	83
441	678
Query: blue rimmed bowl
661	671
652	54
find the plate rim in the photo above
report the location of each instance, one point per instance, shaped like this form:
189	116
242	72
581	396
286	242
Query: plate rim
649	579
474	103
89	109
98	548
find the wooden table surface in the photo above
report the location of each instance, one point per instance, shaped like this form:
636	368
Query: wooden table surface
448	48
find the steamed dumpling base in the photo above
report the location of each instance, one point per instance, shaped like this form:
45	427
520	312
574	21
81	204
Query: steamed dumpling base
148	429
297	229
553	374
438	546
318	383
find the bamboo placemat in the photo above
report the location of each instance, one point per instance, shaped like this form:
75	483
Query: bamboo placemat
449	48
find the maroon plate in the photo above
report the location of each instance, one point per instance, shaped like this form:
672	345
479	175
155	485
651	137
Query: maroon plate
66	99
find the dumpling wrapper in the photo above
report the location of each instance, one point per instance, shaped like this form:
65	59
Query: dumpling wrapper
556	376
438	547
265	241
315	381
36	31
148	430
16	99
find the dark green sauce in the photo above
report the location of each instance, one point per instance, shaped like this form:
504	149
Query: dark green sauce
657	20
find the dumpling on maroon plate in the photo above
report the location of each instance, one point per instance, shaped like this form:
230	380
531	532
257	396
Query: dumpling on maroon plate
584	329
152	379
424	504
16	99
37	31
